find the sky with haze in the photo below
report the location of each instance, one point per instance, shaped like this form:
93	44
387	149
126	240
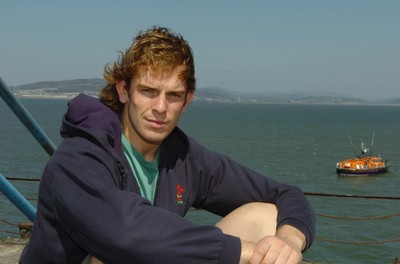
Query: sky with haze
347	47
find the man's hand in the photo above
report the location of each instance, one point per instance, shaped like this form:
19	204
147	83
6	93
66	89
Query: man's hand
94	260
284	247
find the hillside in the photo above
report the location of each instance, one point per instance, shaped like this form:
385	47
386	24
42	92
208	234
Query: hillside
70	88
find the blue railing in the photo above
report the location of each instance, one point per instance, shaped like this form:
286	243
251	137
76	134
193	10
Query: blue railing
25	117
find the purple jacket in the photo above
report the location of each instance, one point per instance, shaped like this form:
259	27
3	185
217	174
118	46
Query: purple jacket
89	201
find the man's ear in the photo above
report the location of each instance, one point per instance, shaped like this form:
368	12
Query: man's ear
189	99
122	89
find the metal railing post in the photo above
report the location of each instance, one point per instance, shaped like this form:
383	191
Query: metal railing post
16	198
26	118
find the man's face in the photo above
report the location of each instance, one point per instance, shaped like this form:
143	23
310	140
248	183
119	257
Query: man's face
152	106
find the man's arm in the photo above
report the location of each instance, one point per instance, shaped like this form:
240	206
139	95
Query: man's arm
255	224
229	185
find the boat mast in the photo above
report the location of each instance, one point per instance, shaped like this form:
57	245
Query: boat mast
372	141
351	142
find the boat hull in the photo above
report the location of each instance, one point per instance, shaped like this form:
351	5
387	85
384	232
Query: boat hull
365	172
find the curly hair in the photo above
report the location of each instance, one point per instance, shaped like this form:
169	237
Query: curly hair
157	48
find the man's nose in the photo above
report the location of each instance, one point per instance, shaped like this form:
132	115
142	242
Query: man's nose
160	103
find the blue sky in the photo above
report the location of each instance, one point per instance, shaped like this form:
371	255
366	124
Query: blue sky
345	47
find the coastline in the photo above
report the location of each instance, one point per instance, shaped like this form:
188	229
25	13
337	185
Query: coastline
214	94
53	97
69	96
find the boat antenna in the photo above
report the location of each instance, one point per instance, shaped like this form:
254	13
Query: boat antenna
351	142
372	141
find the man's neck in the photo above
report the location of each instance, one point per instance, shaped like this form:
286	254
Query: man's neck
148	151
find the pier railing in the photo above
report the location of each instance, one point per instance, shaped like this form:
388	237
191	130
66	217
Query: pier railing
30	123
321	215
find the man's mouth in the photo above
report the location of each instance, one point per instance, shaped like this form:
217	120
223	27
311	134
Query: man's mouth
157	123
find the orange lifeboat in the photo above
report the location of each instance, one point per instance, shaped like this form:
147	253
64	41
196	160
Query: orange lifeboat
363	165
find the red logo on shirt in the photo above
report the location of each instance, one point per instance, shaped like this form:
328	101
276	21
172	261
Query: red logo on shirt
179	192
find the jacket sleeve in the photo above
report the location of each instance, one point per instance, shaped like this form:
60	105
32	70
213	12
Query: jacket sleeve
226	185
119	226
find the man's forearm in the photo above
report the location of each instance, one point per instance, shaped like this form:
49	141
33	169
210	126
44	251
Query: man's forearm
292	236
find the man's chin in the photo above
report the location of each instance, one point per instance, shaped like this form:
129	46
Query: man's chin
156	139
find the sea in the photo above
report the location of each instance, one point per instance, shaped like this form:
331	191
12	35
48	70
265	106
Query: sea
293	143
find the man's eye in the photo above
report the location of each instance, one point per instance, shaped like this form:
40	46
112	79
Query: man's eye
178	95
147	90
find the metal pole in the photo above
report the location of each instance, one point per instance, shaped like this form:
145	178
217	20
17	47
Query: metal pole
25	117
16	198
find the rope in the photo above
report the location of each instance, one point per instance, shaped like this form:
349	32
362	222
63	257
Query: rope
358	218
393	240
27	198
21	179
318	214
353	196
305	193
7	222
9	232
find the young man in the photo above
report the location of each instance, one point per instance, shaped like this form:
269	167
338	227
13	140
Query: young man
124	175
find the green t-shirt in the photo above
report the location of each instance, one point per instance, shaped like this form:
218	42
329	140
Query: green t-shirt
146	173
